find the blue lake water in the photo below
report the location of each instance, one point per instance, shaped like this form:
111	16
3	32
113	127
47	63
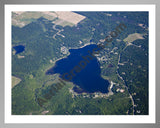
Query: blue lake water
83	69
19	49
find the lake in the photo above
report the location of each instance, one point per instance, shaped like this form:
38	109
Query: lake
83	69
19	48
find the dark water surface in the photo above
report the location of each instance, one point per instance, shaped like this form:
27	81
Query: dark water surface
19	49
83	69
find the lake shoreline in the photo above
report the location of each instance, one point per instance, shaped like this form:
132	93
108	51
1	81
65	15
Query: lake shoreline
93	95
85	76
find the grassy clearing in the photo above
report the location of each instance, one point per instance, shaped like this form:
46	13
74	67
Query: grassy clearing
63	18
15	81
133	37
25	18
71	17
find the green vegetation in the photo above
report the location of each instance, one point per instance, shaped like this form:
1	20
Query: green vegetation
41	47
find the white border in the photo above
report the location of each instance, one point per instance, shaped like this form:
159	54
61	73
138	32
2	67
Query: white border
71	118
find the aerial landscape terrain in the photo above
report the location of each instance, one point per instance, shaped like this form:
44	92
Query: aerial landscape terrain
80	63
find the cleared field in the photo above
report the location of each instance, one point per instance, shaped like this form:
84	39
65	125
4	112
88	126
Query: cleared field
62	23
133	37
15	81
63	18
23	18
53	14
70	16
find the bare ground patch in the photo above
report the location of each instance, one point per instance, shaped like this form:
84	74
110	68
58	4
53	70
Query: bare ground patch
63	18
15	81
70	16
133	37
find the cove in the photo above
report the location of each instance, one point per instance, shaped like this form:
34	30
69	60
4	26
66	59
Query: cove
19	49
87	75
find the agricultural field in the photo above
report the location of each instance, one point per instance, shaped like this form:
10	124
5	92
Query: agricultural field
63	18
